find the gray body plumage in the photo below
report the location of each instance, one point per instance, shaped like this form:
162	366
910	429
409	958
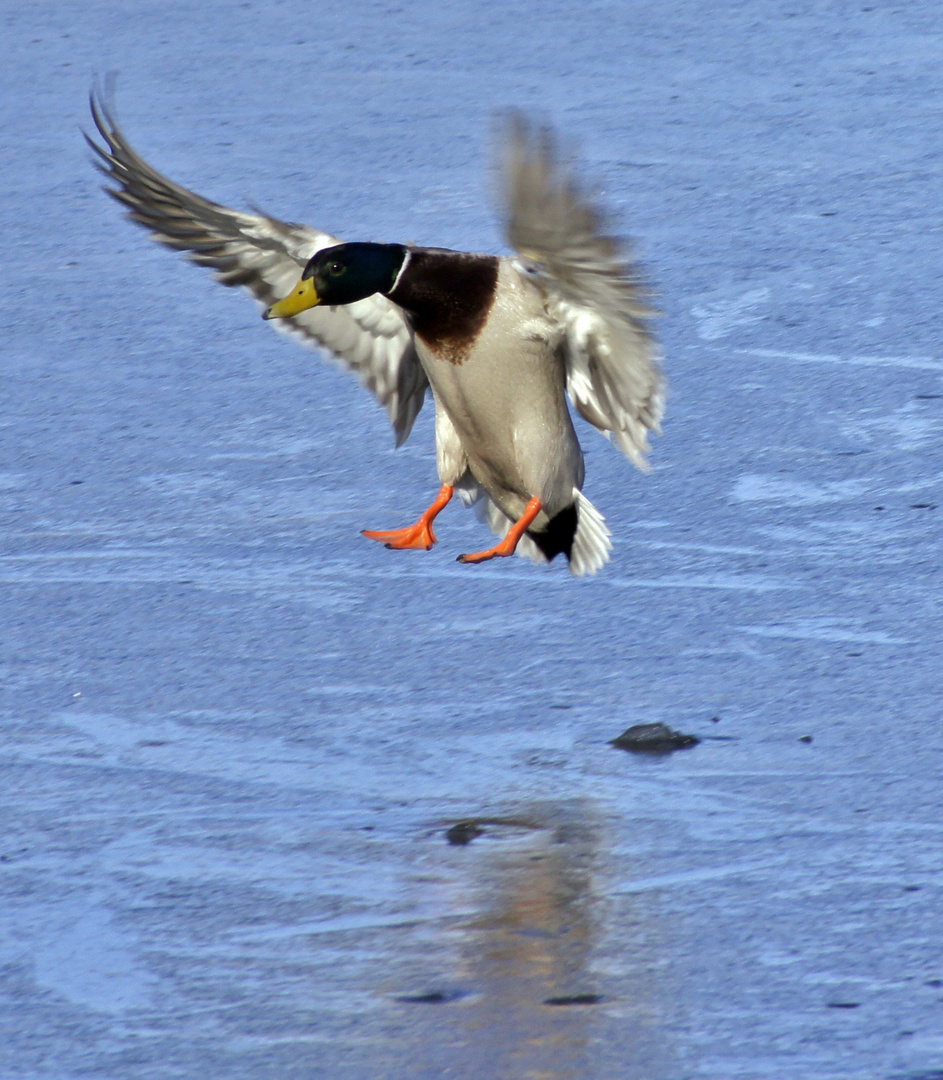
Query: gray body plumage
501	412
565	317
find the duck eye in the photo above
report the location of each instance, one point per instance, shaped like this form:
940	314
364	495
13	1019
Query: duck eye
337	268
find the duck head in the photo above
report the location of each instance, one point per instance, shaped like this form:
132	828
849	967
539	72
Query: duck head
341	275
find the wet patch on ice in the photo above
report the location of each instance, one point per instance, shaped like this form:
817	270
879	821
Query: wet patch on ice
270	448
916	363
906	428
180	484
823	630
89	960
440	199
179	748
759	487
718	319
500	625
314	582
733	582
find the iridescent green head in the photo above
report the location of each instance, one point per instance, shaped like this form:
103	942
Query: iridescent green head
341	275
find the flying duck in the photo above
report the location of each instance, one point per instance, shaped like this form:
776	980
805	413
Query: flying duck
499	341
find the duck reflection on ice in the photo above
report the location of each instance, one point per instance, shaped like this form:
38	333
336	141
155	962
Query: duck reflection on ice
533	993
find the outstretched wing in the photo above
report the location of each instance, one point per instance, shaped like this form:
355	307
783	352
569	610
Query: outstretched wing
371	337
613	376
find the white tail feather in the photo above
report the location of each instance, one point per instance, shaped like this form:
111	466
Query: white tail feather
592	543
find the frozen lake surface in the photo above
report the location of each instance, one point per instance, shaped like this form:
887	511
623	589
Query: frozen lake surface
235	733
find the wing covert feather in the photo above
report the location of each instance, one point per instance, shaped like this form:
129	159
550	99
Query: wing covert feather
372	337
591	291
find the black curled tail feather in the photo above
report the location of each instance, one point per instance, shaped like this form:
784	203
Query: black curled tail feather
558	537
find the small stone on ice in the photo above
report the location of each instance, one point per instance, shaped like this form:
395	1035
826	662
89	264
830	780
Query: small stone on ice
463	832
653	739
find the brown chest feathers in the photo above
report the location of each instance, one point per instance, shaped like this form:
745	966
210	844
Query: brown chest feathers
447	295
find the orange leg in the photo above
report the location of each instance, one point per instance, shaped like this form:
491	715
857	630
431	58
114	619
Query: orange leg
509	544
420	535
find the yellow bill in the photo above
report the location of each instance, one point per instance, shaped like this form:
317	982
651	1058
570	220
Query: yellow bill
302	296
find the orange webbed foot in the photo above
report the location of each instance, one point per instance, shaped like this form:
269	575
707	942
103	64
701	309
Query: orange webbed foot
418	537
509	544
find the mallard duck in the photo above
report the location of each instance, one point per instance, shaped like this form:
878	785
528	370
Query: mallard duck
499	341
